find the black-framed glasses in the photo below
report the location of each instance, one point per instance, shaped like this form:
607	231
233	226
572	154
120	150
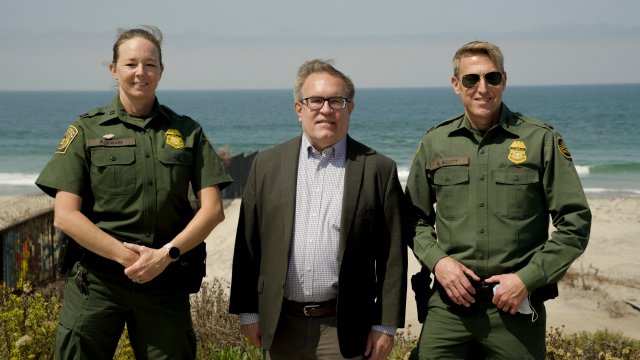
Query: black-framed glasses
493	78
317	102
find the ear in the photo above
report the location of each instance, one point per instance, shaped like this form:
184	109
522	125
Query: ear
298	108
351	105
455	84
112	68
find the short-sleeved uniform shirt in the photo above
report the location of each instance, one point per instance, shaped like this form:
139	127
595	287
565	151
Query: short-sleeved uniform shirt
133	174
495	194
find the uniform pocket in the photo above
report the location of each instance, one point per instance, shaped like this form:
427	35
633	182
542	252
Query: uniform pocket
177	162
112	170
518	192
452	185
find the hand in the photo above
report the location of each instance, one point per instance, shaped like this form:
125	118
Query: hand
252	333
150	264
453	276
510	294
379	345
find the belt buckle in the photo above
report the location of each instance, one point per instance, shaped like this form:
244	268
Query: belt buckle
306	308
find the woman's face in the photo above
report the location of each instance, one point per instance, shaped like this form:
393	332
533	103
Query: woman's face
138	70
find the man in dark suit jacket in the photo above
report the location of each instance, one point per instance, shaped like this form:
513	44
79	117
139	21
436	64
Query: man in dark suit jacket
320	264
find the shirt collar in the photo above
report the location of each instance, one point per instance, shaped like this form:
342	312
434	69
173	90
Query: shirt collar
338	149
506	121
116	110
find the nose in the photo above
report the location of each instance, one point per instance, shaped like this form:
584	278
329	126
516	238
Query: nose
139	69
482	85
325	107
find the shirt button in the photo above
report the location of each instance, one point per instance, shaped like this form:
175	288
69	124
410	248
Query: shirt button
481	177
112	158
481	231
481	204
149	182
480	256
516	178
147	155
482	151
147	234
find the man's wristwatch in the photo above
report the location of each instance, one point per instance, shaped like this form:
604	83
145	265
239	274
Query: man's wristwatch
174	252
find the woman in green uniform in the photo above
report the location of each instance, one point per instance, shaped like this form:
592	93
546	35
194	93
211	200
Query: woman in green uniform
120	178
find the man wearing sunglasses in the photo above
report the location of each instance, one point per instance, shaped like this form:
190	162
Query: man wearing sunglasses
319	268
496	178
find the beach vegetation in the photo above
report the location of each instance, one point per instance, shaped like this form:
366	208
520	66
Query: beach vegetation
28	321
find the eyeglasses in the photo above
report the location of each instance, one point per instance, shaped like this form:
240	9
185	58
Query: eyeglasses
493	78
317	102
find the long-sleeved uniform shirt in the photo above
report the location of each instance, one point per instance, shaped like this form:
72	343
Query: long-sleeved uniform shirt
495	193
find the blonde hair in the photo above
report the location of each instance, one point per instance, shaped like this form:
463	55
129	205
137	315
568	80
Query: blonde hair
475	48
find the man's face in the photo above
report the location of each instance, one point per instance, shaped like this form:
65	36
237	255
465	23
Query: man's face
482	101
326	126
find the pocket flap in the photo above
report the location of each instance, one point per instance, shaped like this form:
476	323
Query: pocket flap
175	157
451	176
112	156
516	176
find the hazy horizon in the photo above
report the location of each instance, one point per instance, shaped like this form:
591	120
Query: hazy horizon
258	46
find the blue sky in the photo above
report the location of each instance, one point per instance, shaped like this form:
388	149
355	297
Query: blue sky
64	45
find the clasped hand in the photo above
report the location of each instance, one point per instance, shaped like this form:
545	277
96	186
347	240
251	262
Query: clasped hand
454	277
150	263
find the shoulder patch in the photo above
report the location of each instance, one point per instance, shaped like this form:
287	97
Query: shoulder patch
66	140
564	150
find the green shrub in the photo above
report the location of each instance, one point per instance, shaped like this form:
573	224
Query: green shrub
28	321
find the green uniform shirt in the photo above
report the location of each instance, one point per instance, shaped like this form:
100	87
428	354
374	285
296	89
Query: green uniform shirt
495	193
133	174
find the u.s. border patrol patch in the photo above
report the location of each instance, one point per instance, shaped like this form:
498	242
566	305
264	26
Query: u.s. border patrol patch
67	139
564	150
517	152
174	139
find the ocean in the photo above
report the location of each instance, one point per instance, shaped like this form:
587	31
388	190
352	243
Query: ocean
599	123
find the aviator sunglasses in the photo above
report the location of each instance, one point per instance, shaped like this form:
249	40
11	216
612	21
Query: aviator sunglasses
493	78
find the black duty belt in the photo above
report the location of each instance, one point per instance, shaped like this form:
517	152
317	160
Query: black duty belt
319	309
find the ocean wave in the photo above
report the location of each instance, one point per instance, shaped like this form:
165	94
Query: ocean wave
17	179
603	191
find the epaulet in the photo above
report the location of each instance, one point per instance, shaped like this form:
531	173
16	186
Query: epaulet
533	121
448	121
170	112
92	113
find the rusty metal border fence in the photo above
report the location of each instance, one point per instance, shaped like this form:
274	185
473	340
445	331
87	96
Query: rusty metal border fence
238	168
30	251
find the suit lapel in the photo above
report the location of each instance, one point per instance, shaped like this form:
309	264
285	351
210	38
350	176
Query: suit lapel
288	183
354	170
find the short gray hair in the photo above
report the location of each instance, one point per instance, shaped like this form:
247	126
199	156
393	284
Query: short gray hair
318	66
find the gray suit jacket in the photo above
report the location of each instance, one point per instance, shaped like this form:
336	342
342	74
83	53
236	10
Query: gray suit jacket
373	253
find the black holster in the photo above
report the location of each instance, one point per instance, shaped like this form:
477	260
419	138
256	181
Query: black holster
69	253
420	284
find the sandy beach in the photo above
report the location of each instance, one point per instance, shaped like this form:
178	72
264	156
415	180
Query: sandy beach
600	290
594	295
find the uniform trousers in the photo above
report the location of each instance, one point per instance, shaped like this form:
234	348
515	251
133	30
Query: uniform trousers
305	338
99	300
449	333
